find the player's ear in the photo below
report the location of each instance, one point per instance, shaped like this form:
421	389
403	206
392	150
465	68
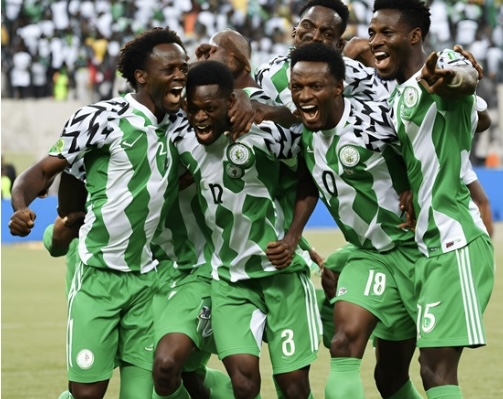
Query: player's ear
339	87
140	76
416	36
232	100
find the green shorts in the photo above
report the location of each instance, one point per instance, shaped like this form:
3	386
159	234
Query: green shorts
453	291
109	321
281	309
184	306
383	284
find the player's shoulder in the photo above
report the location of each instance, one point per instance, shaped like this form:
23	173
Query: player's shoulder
277	62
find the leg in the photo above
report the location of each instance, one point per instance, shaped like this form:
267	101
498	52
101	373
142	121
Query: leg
294	385
439	366
392	367
353	326
245	375
171	354
94	390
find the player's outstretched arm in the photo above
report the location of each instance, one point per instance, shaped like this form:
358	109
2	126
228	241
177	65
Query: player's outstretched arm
460	80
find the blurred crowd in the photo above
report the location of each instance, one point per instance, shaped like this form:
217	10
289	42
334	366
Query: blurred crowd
62	49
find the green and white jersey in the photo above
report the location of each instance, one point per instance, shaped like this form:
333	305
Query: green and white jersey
361	81
287	187
184	237
237	192
131	177
360	173
434	134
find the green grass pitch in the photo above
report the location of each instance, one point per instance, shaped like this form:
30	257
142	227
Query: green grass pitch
33	331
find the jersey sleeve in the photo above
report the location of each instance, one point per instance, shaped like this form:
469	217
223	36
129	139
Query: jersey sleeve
274	78
282	142
89	127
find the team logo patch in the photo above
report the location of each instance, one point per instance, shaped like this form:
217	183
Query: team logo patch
410	97
349	156
58	147
234	171
342	291
240	154
85	359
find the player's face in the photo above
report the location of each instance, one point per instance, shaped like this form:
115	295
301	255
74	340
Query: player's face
390	42
166	74
316	94
207	113
319	24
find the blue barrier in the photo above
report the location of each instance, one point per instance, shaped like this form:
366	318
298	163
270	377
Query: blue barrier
491	180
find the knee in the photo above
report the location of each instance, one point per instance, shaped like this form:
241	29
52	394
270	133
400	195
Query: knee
166	369
347	343
88	391
245	388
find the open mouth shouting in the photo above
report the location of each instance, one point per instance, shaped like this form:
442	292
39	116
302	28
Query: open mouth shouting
175	95
204	133
309	114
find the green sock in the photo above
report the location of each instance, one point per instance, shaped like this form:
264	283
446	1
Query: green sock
65	395
344	380
444	392
218	383
408	391
135	382
180	393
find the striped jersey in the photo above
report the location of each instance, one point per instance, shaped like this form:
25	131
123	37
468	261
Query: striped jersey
131	178
434	134
183	236
360	173
237	185
360	81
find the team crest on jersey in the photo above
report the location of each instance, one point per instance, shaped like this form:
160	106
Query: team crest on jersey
58	147
234	171
410	97
349	156
85	359
240	154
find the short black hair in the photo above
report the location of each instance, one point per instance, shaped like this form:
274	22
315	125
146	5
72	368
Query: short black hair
205	73
135	53
415	13
319	52
337	5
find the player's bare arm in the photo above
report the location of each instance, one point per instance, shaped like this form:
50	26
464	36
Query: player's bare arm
27	187
280	252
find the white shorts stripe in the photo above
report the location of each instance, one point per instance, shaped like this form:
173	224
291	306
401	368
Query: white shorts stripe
470	303
313	316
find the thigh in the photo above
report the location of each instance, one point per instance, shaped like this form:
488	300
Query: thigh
453	291
184	306
92	328
368	280
293	322
238	317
